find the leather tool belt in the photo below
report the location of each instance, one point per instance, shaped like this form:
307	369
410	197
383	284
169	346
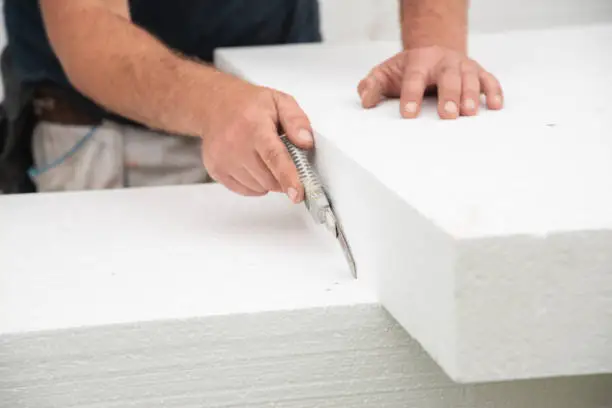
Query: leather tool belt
52	105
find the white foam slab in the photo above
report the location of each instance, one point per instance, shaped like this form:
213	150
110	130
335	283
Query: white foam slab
195	297
351	356
98	258
488	238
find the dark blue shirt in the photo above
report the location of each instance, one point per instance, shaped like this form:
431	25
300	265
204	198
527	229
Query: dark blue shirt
193	27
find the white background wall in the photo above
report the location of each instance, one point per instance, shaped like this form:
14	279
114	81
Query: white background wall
358	20
364	20
351	20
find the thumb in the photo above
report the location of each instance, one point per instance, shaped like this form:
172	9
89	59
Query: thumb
294	121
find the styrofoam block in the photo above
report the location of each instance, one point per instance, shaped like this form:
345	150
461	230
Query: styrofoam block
488	238
195	297
353	356
173	252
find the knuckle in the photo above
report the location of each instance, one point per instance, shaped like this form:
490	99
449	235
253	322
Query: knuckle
415	75
288	99
413	86
447	70
470	93
236	138
250	114
451	89
414	80
293	114
238	124
270	184
496	85
470	85
215	170
376	75
492	85
469	67
214	173
488	77
262	99
264	93
296	122
272	155
218	151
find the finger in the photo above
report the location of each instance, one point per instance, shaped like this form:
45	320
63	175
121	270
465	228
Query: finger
277	159
260	172
413	89
294	121
378	84
371	92
449	92
244	177
234	185
492	90
470	92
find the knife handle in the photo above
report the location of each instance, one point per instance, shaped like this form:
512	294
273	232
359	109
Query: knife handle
315	199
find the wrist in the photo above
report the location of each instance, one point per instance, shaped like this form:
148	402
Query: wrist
419	39
440	23
220	94
196	98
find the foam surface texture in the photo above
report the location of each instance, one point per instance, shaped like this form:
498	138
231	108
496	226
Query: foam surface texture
488	238
172	252
195	297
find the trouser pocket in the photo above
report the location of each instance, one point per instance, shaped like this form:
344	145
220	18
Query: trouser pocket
158	159
72	157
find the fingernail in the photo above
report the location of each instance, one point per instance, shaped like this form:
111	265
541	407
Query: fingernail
304	136
292	193
411	107
469	104
450	107
497	100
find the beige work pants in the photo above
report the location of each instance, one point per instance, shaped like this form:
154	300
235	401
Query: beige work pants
115	156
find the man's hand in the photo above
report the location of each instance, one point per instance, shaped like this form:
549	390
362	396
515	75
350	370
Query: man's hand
241	144
458	79
434	36
138	77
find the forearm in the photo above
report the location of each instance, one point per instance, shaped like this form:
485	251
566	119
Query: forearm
129	72
434	22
